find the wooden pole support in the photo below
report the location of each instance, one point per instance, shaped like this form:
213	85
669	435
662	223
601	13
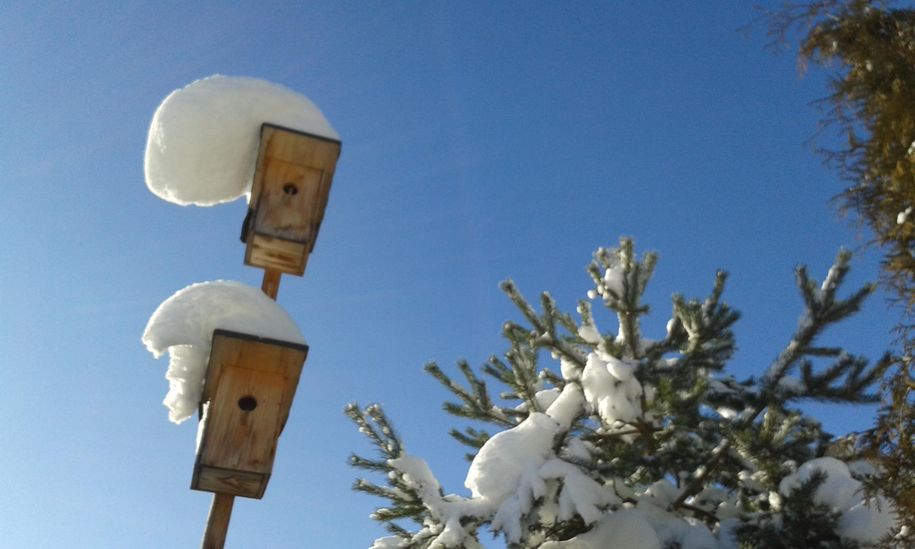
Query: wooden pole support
271	283
214	537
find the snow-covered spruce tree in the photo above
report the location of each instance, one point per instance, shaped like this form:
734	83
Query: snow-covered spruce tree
638	443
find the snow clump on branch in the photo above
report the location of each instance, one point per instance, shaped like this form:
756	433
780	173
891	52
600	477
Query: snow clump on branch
644	444
862	519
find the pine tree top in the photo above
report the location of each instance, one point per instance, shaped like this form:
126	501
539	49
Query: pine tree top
622	433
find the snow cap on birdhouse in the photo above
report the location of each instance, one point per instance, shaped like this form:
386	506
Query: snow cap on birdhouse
289	192
203	139
249	387
183	327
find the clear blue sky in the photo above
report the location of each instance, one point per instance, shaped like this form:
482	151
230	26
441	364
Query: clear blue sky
480	141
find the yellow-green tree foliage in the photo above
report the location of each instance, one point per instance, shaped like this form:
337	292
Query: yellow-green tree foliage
870	49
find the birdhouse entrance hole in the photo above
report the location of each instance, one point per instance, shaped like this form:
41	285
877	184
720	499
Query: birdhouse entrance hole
247	403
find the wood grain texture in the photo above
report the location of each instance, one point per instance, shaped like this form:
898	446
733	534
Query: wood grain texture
276	254
214	537
250	385
289	193
236	483
270	285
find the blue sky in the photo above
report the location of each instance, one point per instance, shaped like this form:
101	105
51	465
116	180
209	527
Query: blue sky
481	141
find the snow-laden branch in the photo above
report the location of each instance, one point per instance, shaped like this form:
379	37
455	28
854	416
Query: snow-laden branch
637	442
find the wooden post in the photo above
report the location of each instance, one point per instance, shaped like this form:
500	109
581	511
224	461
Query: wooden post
271	283
214	537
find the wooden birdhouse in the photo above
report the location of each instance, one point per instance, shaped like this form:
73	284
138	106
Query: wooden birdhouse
289	192
249	387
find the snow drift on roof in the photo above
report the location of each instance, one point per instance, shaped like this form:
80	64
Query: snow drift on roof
183	326
203	139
